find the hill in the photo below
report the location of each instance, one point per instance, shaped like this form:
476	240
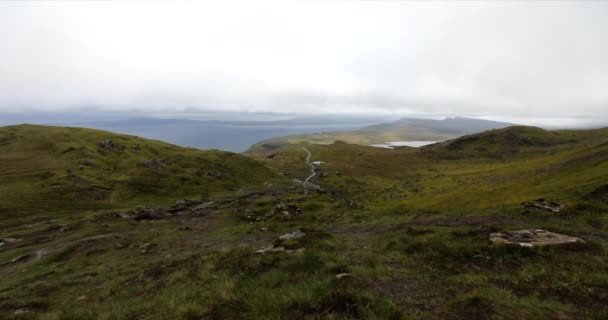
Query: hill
308	231
515	140
58	167
407	129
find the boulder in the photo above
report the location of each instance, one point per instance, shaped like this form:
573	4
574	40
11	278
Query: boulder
532	238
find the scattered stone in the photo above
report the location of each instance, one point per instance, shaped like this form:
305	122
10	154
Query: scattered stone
81	298
343	275
532	238
9	240
292	235
184	228
214	173
264	229
145	247
542	204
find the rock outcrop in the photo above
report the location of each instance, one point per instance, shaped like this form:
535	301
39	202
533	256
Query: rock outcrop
542	204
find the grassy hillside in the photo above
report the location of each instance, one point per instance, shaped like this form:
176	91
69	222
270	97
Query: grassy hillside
58	168
407	129
392	234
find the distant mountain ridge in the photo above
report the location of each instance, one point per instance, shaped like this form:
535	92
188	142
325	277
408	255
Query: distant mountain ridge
455	125
405	129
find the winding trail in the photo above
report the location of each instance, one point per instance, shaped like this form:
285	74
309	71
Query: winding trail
310	165
306	183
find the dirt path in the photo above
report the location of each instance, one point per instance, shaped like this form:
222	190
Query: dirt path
310	165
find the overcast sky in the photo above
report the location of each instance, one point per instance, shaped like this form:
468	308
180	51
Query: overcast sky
504	59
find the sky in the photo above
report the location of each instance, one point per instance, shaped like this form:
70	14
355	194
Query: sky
504	60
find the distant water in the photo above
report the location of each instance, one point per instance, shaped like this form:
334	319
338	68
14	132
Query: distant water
224	136
392	144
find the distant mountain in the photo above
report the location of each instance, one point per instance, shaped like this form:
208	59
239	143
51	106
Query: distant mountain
406	129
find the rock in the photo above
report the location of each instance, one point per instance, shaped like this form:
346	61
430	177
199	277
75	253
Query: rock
532	238
22	311
270	249
282	244
214	173
277	249
264	229
146	213
182	206
292	235
81	298
151	164
184	228
145	247
343	275
283	210
9	240
542	204
110	145
198	209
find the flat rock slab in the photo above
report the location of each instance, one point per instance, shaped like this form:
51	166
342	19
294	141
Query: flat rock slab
532	238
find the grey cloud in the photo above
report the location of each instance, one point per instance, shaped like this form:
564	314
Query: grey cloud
503	59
